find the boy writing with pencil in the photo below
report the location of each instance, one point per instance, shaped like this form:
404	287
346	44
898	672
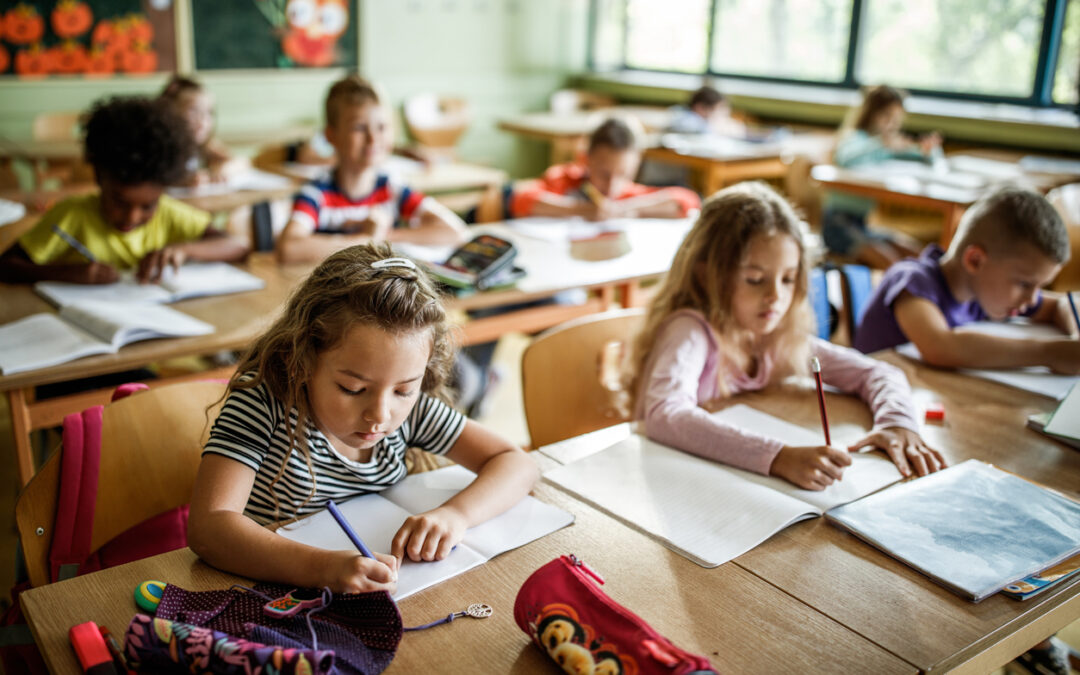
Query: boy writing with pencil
602	186
357	203
1008	245
137	146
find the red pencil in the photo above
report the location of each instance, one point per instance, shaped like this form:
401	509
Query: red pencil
815	366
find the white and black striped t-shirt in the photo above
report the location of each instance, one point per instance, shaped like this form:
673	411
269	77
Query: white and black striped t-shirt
251	429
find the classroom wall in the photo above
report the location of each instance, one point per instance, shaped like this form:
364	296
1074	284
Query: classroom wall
503	56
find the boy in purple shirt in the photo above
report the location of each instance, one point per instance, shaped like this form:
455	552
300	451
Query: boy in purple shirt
1009	244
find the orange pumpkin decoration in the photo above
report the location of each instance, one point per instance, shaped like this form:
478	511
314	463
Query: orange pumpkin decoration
71	18
33	62
5	59
99	62
120	36
103	32
68	58
140	29
140	59
23	25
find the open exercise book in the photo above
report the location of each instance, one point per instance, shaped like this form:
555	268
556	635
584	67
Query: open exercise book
706	511
377	517
972	528
189	281
1037	379
86	328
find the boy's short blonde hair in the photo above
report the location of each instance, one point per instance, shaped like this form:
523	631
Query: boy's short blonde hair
1010	216
350	90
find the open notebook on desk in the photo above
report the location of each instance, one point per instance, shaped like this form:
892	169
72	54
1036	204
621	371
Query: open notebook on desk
1036	379
972	528
706	511
377	517
87	328
190	281
245	180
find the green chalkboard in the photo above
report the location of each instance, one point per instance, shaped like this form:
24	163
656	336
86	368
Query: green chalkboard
86	38
243	34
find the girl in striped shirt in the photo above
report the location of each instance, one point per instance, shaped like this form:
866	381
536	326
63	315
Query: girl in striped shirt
323	406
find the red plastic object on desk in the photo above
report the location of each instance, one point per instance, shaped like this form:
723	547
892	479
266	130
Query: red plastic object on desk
93	655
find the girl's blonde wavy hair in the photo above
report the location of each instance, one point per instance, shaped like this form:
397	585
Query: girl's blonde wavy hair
344	290
702	277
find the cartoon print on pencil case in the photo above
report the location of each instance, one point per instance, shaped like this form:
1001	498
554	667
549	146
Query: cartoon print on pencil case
575	646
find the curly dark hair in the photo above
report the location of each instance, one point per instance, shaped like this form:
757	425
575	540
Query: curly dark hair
134	139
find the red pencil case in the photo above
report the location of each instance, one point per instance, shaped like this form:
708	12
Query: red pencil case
561	607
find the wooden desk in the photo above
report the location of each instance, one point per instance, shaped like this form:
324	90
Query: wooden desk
39	201
239	318
568	132
742	624
923	190
880	598
721	162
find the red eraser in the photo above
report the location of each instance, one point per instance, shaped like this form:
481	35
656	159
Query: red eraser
94	656
935	412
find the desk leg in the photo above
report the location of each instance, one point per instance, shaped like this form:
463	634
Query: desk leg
20	429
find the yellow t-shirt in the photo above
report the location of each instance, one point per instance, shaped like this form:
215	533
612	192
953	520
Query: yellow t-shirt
173	222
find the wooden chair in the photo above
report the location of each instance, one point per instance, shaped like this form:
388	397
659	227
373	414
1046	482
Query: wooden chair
151	442
436	122
570	375
1066	199
59	126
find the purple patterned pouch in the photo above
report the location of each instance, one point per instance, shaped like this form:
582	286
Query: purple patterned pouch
362	632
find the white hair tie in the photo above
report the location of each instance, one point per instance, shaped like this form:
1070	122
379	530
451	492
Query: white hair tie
393	262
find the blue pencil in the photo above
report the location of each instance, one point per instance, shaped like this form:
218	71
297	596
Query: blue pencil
74	243
1072	304
355	538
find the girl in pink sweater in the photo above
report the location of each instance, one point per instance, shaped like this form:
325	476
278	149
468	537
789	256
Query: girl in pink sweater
732	316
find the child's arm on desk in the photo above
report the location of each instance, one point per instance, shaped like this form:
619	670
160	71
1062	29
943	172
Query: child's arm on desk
214	246
435	225
664	203
504	475
223	536
1055	310
17	267
297	243
924	324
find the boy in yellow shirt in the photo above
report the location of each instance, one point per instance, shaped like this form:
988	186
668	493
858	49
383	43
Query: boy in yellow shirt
137	147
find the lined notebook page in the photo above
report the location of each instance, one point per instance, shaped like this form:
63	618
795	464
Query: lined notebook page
376	518
704	510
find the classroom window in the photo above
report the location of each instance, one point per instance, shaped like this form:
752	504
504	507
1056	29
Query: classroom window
959	46
608	46
1018	51
667	34
1067	77
796	39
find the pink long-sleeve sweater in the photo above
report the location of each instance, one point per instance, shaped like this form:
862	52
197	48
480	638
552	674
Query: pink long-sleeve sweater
682	372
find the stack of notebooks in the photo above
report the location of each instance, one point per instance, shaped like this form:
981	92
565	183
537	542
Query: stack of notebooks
100	319
972	528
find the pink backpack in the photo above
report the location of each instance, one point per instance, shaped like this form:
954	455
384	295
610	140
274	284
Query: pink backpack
69	554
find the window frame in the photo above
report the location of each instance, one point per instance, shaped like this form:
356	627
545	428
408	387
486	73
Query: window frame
1041	95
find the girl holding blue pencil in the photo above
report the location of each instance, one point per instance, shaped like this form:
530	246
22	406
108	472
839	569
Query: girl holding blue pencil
323	407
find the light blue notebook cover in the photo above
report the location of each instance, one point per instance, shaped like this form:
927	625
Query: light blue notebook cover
972	528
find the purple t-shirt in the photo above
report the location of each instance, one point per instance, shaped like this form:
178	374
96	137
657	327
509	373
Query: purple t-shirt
922	277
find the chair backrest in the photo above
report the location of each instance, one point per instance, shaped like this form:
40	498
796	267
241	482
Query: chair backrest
569	375
857	284
1066	199
56	126
436	121
150	448
819	302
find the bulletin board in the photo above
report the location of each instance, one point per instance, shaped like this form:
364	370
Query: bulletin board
259	34
86	38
